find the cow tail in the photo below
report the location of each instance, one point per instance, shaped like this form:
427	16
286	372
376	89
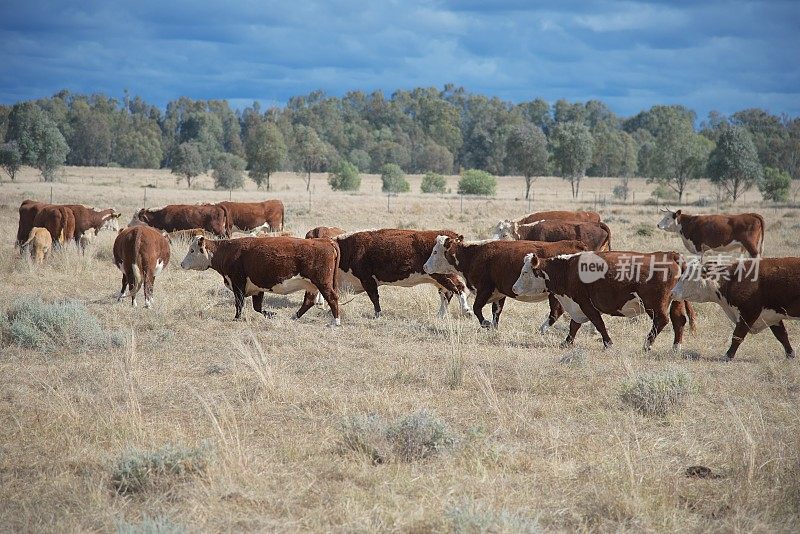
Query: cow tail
30	238
338	255
137	265
691	316
607	243
763	235
228	221
282	216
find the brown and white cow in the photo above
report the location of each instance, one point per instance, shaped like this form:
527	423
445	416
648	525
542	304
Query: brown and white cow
391	257
490	269
324	231
59	221
251	266
141	253
754	293
595	235
89	221
590	284
719	233
210	217
255	216
583	216
27	213
40	243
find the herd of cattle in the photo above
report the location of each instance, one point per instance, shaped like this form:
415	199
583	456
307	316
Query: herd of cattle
563	257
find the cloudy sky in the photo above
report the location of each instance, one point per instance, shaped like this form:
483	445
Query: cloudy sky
707	54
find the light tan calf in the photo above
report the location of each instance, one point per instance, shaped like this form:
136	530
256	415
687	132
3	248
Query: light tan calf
40	242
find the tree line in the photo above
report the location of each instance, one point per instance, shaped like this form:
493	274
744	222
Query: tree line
418	131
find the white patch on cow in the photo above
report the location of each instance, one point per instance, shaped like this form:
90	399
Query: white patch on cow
676	348
442	305
689	245
119	266
196	258
159	266
545	326
412	280
478	243
668	223
769	318
462	299
227	281
291	285
349	282
573	309
633	307
733	245
348	234
437	262
337	321
529	283
148	302
319	300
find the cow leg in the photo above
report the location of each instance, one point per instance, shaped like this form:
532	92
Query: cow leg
750	248
597	320
371	287
660	320
739	333
573	331
497	309
149	281
678	317
319	300
332	298
308	303
258	305
779	330
452	284
444	300
238	297
556	311
123	291
481	298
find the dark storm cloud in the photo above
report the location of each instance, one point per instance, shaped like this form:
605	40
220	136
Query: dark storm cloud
707	55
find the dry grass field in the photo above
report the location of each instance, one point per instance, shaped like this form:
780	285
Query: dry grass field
180	418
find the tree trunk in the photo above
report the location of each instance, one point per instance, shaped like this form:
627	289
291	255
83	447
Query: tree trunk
308	182
735	189
189	180
527	187
268	181
577	187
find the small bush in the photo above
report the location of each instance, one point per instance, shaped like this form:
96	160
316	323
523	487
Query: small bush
620	191
702	202
657	393
365	434
776	185
344	177
32	323
644	230
470	519
228	171
394	180
151	525
433	183
475	182
419	436
141	470
663	192
574	357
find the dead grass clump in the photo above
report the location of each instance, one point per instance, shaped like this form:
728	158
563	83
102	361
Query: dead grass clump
576	357
644	230
137	471
32	323
657	393
151	525
414	437
473	519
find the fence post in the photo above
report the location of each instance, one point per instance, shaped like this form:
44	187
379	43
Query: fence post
462	202
144	201
388	202
51	194
230	194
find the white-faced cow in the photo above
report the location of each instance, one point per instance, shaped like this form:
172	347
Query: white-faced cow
490	269
213	218
590	284
719	233
595	235
252	266
582	216
391	257
141	253
255	216
754	293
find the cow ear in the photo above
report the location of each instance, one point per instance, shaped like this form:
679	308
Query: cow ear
117	215
535	261
201	242
677	213
460	238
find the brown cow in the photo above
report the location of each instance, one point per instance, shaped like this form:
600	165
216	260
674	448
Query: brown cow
251	266
27	213
254	216
589	284
210	217
40	243
583	216
490	269
141	253
391	257
595	235
324	231
754	294
91	220
59	221
720	233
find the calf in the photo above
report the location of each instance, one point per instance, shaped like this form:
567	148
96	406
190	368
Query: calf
392	257
213	218
89	220
40	242
141	253
254	216
490	269
251	266
27	214
720	233
59	221
590	284
583	216
324	231
754	294
595	235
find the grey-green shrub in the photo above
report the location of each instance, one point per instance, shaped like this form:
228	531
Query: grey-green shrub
151	525
419	436
344	177
394	179
776	185
645	230
657	393
664	192
473	519
30	322
475	182
365	434
137	471
433	183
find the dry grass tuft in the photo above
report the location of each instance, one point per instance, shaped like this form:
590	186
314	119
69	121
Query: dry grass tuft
644	230
138	471
576	357
474	519
657	393
365	434
151	525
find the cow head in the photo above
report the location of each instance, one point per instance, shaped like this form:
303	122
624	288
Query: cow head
140	217
531	279
506	230
670	221
699	281
111	222
198	257
443	259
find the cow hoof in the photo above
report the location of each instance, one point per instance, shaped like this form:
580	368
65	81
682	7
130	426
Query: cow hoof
607	344
566	344
377	315
335	324
295	317
790	355
486	324
727	358
677	349
268	314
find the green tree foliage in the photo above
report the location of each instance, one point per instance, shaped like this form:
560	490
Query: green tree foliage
360	158
10	158
311	154
433	183
572	146
679	154
776	185
187	162
90	135
433	157
344	177
476	182
526	153
40	143
138	143
733	164
393	179
265	151
228	171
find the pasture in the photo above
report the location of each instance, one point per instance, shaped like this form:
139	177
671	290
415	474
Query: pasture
282	425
